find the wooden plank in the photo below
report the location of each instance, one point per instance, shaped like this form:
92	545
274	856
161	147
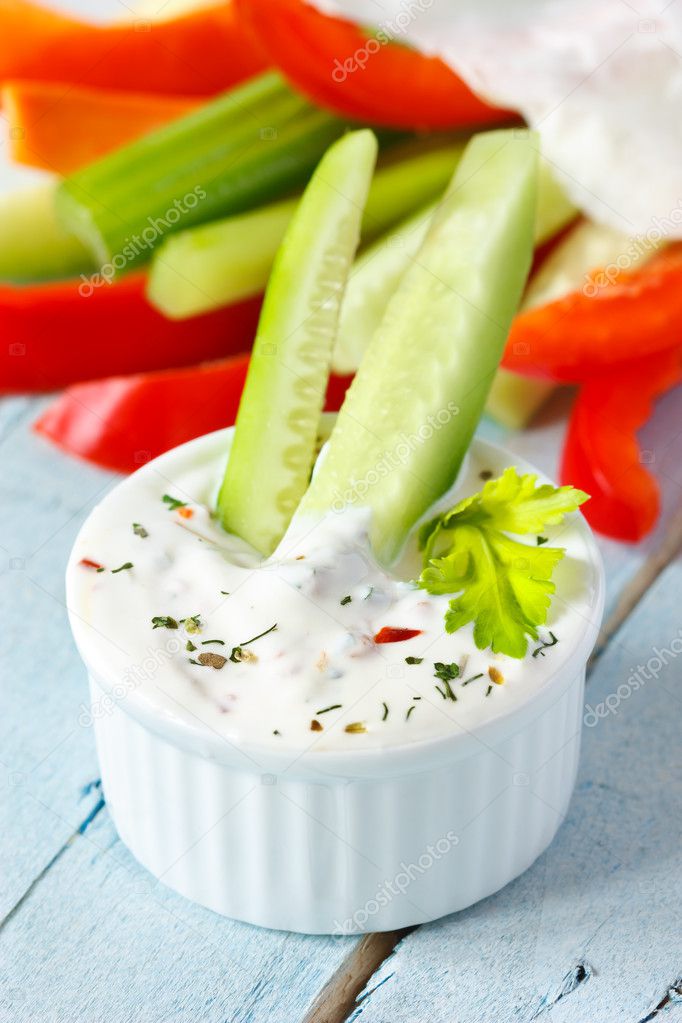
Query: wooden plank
47	760
97	940
592	931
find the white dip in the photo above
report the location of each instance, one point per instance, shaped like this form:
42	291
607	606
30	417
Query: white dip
322	653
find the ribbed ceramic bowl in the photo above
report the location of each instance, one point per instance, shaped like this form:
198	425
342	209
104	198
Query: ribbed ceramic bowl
340	841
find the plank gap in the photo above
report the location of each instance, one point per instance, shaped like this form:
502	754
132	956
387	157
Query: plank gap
338	998
80	830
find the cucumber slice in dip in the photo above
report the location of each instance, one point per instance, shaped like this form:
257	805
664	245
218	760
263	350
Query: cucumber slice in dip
274	444
412	409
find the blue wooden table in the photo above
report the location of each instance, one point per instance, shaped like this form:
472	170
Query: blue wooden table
591	933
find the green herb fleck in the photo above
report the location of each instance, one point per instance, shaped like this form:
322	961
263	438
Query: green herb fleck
369	593
236	654
192	624
385	714
190	646
334	706
488	690
139	530
441	692
226	593
192	661
414	660
173	502
540	540
122	568
206	642
472	678
545	644
446	673
346	600
276	732
409	711
164	622
101	569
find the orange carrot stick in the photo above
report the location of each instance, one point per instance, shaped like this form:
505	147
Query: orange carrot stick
63	127
199	53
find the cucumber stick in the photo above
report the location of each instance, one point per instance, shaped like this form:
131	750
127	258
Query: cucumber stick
34	246
250	146
410	414
274	444
378	269
228	260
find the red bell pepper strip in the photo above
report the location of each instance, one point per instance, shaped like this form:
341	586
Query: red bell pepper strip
198	53
122	422
388	634
583	334
601	453
363	76
56	334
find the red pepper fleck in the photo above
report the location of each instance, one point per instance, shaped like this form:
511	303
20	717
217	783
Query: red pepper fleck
389	635
87	563
186	513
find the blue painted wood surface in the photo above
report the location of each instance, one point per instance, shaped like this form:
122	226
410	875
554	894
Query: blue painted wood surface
88	935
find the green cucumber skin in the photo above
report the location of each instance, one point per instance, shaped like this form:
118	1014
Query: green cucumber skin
229	260
379	268
274	443
34	246
412	409
376	274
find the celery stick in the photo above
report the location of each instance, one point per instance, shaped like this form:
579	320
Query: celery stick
33	244
274	443
228	260
408	180
411	411
252	145
379	268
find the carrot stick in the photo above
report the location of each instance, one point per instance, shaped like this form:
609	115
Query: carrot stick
199	53
63	127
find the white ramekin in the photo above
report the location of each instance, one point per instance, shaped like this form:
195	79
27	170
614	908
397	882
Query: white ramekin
342	842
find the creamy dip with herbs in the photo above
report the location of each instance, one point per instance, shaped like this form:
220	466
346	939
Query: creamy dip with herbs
317	646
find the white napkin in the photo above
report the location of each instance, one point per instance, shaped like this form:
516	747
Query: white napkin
601	81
